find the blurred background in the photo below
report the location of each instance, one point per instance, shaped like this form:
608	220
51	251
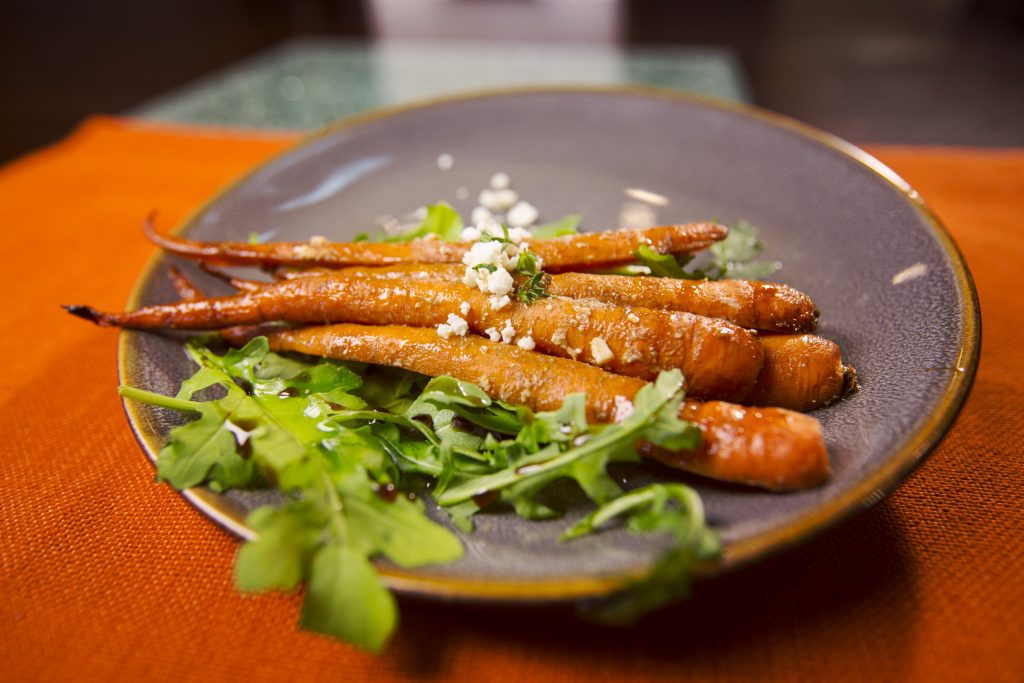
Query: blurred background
912	71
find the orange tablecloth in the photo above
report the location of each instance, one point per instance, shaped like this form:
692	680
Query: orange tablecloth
105	575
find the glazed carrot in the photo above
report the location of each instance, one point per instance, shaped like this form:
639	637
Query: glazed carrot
720	360
591	250
236	282
182	285
773	448
768	447
755	305
801	372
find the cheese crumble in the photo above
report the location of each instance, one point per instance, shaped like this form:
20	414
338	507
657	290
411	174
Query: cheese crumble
508	333
455	325
600	351
523	214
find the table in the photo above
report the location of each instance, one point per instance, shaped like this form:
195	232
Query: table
308	83
105	575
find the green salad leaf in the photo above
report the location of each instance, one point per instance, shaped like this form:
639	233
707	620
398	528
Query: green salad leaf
306	433
735	257
354	447
668	508
568	225
441	221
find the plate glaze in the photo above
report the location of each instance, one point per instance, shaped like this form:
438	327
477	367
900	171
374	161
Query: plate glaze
893	290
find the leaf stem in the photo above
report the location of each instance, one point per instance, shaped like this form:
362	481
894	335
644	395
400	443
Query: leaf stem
160	400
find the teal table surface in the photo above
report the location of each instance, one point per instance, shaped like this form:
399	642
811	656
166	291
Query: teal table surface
307	83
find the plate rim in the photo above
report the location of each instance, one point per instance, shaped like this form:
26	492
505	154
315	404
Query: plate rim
868	491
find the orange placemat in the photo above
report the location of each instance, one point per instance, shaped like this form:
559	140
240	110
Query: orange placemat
107	576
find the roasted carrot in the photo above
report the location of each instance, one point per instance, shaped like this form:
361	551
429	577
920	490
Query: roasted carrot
241	283
767	306
801	372
768	447
755	305
773	448
183	286
720	360
591	250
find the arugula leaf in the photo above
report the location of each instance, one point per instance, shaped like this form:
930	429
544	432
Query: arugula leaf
567	225
346	442
441	220
663	265
398	529
346	597
654	404
733	257
672	508
469	402
280	555
299	434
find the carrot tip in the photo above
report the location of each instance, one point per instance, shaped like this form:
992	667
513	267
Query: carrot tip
85	312
850	383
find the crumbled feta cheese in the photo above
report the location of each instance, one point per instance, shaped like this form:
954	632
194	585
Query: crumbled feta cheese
493	334
444	331
633	318
500	282
469	234
500	302
459	327
318	241
445	161
522	214
483	253
481	215
508	332
600	351
464	308
500	181
519	236
498	200
526	343
623	408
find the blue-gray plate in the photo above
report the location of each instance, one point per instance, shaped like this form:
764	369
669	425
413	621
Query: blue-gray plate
893	289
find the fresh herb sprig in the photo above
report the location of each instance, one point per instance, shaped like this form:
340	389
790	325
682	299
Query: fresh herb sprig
350	445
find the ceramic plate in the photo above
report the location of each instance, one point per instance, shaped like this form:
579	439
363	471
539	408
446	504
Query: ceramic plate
893	290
